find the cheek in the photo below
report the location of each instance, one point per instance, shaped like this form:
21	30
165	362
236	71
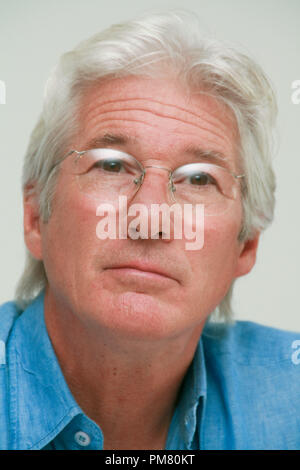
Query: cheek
221	237
69	237
213	267
215	264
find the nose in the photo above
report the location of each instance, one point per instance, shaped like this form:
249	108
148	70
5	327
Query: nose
154	187
151	200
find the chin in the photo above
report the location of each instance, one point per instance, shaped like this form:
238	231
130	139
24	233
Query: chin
138	316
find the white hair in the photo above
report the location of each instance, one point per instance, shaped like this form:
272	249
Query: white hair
155	45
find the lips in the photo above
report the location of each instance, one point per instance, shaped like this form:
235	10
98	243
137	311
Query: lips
145	267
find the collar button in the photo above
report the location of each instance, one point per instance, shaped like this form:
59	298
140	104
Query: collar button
82	438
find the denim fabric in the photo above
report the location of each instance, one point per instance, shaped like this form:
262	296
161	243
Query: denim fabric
242	390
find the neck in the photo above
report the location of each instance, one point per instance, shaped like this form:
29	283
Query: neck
128	386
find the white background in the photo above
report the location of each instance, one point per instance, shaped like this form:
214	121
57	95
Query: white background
34	33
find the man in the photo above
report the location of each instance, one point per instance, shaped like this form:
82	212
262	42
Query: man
109	344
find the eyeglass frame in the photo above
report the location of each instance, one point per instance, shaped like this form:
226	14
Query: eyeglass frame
141	178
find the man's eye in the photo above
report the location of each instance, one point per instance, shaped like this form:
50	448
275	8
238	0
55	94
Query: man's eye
201	179
112	166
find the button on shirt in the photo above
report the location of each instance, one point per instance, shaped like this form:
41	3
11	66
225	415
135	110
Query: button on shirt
242	390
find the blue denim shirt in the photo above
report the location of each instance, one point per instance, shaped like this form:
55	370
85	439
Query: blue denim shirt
242	390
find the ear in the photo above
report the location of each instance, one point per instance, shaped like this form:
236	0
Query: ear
32	232
247	256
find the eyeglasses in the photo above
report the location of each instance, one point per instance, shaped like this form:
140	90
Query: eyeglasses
106	173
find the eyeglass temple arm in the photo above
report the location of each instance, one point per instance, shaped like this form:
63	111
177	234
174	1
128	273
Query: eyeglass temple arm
64	158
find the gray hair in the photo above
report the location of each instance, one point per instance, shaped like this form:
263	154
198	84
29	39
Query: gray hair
156	45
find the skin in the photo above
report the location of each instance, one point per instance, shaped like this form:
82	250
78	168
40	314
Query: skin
125	337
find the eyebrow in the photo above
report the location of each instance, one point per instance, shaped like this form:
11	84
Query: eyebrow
211	156
108	139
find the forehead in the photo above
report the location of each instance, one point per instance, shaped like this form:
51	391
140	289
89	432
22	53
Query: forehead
159	111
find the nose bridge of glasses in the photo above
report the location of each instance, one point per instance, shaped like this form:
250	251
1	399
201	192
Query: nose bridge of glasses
159	167
154	182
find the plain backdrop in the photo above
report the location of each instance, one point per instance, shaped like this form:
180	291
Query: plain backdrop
34	33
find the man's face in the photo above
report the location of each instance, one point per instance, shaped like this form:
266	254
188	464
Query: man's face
153	287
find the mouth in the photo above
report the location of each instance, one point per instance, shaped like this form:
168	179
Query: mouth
142	268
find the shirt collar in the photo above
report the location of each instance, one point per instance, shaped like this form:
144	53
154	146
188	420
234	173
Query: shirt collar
41	402
185	422
37	378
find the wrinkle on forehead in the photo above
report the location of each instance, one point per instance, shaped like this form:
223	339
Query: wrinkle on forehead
160	104
159	108
184	117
